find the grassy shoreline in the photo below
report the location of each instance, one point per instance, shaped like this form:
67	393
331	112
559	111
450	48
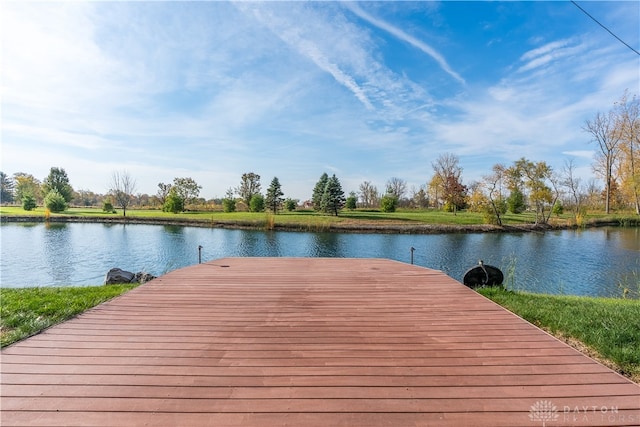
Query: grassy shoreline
28	311
605	329
404	221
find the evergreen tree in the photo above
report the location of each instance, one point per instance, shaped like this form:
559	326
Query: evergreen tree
54	201
107	206
28	202
59	181
6	188
274	195
333	199
515	201
318	192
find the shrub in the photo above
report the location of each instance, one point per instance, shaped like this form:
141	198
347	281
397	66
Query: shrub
107	207
501	204
55	202
489	215
257	203
174	203
388	203
351	203
290	205
449	207
229	205
558	209
515	202
28	202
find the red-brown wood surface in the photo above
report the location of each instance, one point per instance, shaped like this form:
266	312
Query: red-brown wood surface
306	342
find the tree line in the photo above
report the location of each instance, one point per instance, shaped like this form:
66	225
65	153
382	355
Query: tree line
523	185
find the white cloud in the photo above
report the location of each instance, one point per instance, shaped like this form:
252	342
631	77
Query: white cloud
548	54
544	50
51	62
402	35
212	90
320	34
585	154
310	40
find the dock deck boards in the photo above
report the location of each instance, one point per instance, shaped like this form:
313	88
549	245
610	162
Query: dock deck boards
306	342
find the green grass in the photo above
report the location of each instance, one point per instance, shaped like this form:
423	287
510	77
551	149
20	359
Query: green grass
309	220
609	327
27	311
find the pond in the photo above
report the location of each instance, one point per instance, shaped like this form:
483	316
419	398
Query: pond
595	262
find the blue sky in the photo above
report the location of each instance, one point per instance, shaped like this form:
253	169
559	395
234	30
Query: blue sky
365	90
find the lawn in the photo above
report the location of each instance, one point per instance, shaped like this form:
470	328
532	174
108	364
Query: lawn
608	328
27	311
309	220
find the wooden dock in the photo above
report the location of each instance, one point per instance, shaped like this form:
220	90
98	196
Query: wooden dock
306	342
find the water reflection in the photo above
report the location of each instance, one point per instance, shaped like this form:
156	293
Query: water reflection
249	244
58	252
272	244
325	245
630	239
582	262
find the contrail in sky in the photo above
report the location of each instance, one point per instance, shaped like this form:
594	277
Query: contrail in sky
406	38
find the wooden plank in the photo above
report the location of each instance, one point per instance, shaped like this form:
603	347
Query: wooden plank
231	404
309	392
172	419
449	380
301	341
386	371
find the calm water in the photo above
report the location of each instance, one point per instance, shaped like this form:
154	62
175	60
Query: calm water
588	262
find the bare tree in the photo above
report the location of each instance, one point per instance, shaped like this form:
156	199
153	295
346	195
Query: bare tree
593	192
627	113
368	194
572	184
419	196
556	184
493	184
163	192
603	132
397	187
447	173
122	188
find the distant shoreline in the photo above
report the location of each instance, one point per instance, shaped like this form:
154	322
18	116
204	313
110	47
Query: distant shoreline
361	227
